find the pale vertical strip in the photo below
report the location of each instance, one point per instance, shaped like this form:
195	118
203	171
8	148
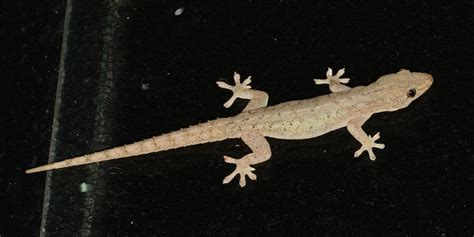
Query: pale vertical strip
57	105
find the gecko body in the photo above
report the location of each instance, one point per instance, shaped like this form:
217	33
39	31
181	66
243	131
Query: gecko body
301	119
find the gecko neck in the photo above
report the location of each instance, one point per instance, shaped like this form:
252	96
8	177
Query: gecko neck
380	98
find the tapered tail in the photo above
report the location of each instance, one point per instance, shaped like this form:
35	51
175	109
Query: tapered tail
211	131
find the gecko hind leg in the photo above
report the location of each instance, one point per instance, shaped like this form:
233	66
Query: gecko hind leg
258	99
368	142
335	82
260	152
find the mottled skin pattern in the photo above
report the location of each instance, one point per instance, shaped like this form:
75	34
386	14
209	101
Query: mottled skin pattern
345	107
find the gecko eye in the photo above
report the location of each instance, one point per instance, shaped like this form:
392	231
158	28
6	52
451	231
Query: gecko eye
411	93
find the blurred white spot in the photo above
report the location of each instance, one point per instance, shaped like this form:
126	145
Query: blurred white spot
178	11
145	86
85	187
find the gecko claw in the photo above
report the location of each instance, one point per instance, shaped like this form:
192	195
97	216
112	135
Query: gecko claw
238	90
333	78
242	168
368	147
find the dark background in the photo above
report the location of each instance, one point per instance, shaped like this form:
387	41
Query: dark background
135	70
30	45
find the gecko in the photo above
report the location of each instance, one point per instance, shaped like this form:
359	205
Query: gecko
294	120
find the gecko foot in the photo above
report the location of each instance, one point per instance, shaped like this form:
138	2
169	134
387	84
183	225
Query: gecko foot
332	79
238	90
368	147
242	167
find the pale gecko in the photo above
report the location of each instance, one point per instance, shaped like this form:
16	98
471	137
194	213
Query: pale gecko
301	119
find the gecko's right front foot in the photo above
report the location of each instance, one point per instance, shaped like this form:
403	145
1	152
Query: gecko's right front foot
368	147
242	167
239	90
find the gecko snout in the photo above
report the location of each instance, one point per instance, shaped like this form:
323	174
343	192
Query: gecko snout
429	81
430	78
424	82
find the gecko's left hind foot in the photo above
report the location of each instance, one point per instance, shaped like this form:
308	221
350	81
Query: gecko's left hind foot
368	147
332	79
239	90
242	168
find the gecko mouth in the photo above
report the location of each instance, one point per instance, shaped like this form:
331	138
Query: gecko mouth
428	82
430	79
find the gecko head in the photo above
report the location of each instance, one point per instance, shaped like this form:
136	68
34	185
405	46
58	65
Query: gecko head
404	87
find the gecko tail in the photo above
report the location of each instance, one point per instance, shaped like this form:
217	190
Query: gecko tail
47	167
110	154
211	131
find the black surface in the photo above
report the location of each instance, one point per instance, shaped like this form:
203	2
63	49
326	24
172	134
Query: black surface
30	44
134	70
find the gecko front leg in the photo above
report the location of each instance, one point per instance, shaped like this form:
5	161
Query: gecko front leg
368	142
243	90
335	82
260	152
